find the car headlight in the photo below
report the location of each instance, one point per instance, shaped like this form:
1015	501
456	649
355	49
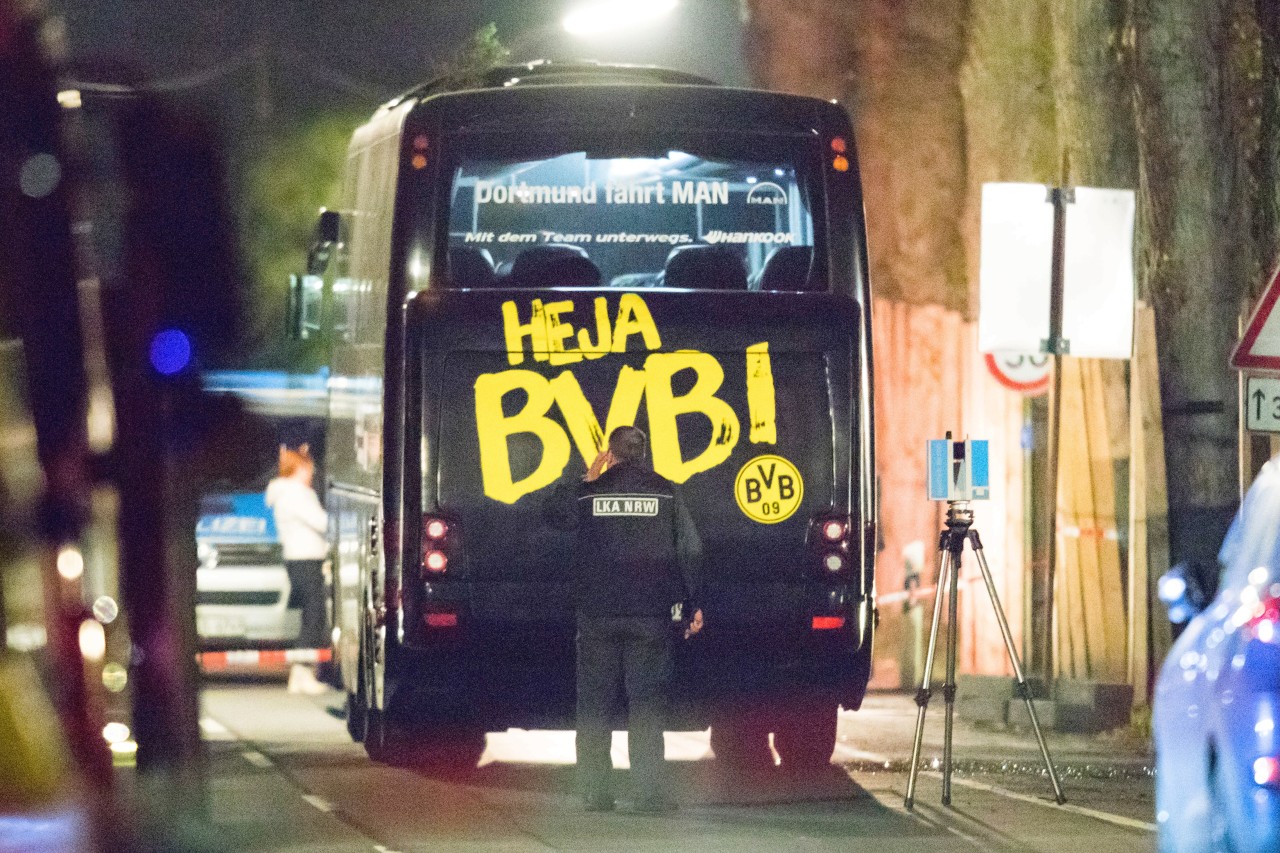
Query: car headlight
207	554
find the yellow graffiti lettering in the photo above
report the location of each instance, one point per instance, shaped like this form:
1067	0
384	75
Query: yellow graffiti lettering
634	319
557	331
581	420
604	336
516	332
536	440
761	406
495	430
665	407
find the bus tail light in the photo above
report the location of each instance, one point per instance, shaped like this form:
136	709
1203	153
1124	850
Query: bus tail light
421	146
834	530
436	541
440	619
839	148
829	540
828	623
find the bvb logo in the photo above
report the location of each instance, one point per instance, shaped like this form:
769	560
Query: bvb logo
768	489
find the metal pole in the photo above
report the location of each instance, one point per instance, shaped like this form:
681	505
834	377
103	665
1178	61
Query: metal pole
1055	347
956	545
922	696
1244	446
1029	542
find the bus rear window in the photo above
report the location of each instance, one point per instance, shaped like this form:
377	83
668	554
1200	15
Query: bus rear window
676	218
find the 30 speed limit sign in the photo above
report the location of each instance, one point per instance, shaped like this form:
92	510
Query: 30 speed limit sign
1026	374
769	489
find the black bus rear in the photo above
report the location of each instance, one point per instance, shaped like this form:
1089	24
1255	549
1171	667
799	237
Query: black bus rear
567	254
687	259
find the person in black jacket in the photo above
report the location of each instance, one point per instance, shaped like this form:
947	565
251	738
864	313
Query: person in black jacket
636	575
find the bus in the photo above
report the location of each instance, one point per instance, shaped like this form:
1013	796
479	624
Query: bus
524	261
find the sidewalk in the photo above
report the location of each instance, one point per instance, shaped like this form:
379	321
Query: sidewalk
883	730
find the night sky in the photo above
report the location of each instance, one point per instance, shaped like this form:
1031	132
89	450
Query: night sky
271	59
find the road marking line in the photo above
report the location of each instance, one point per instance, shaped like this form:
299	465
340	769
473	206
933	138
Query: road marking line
1107	817
257	759
320	803
894	803
964	836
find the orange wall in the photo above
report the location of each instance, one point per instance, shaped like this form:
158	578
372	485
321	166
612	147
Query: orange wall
930	378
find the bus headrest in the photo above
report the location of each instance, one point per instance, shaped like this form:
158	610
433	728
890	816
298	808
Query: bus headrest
470	266
787	268
554	265
701	267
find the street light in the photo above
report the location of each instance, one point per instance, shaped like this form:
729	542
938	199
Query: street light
611	16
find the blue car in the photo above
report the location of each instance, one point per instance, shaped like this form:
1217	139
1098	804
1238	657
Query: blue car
1218	694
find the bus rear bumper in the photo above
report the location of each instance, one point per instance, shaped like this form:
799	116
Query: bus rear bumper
522	675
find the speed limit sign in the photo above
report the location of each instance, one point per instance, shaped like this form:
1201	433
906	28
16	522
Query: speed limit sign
1026	374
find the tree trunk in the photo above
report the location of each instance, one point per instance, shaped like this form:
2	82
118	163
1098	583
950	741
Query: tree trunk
1095	118
1189	260
1267	232
896	66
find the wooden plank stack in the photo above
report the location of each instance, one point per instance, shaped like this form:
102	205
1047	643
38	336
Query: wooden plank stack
1090	610
1149	632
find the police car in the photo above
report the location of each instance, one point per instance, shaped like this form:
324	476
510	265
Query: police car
1218	693
242	589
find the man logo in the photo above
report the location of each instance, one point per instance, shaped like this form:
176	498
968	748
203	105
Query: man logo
624	505
767	193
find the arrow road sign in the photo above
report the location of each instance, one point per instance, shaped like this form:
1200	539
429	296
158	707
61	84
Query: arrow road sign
1262	404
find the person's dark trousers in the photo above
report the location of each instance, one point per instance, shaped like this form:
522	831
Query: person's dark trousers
306	590
632	657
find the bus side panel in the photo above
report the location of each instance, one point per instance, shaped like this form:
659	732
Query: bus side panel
850	274
350	517
356	430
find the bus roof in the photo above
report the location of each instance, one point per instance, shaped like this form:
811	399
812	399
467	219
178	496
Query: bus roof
544	72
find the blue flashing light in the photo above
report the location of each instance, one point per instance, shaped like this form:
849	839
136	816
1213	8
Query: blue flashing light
170	351
1172	588
1180	613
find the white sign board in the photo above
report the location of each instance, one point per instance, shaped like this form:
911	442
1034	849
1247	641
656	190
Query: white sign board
1262	404
1016	265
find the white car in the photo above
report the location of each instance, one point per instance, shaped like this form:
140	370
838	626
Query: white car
242	589
1218	694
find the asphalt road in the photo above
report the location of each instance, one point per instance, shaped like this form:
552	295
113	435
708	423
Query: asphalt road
285	777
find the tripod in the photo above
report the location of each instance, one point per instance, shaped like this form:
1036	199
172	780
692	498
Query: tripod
950	547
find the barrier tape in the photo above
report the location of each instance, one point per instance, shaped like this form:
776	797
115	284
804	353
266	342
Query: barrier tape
261	658
920	592
1072	531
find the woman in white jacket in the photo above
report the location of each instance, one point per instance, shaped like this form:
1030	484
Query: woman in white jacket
301	525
